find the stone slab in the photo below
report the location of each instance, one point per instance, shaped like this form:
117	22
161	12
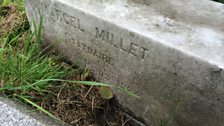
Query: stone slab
164	51
15	114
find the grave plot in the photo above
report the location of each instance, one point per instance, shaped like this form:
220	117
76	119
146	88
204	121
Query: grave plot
170	53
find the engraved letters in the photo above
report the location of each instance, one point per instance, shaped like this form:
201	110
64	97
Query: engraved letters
118	42
95	52
89	49
58	15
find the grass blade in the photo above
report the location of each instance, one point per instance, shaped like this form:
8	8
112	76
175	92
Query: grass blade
38	107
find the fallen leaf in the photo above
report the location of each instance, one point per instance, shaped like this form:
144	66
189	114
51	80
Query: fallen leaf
105	92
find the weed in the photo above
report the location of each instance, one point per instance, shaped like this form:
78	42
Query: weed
23	68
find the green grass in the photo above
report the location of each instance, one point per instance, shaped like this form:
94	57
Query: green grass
18	3
23	67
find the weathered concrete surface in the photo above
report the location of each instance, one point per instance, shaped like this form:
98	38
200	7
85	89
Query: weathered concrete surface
14	114
164	51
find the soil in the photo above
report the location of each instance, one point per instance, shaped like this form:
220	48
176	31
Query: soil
80	105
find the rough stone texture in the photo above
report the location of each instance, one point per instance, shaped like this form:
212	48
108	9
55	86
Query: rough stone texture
14	114
163	50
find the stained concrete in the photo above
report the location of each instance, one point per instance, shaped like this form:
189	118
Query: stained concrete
15	114
167	52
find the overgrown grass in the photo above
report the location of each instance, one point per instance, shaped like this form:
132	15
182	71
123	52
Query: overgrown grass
24	68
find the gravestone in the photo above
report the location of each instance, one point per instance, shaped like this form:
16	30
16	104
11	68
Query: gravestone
168	52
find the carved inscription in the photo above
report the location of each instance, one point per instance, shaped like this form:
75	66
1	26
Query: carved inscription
118	42
67	19
54	15
95	52
88	49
